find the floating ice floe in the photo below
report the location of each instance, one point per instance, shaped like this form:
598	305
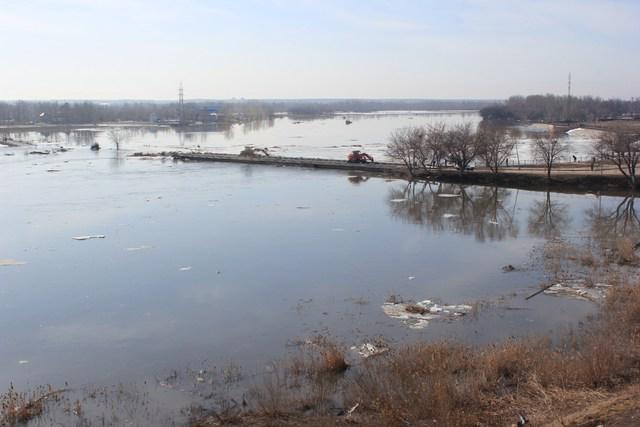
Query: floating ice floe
398	200
448	195
368	350
493	222
418	315
187	268
94	236
449	215
10	262
139	248
578	289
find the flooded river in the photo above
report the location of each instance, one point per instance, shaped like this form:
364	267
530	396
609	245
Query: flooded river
325	137
219	263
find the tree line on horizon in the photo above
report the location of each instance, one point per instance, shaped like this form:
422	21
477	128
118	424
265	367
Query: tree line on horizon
92	112
555	108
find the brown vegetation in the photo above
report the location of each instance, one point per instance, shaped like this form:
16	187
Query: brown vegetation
450	384
20	408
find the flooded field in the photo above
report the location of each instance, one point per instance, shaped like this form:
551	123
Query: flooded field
325	137
117	269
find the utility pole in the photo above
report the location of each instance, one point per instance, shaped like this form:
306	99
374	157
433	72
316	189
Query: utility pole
181	104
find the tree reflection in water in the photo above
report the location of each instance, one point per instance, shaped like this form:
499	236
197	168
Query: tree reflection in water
608	224
548	218
478	211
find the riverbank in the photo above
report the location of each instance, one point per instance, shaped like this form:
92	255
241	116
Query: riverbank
591	378
569	177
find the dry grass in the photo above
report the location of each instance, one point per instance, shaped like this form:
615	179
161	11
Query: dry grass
321	356
450	384
20	408
625	249
306	383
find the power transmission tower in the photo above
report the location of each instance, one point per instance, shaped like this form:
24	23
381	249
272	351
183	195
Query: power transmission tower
181	103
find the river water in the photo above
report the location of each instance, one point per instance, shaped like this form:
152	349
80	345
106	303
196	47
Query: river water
220	263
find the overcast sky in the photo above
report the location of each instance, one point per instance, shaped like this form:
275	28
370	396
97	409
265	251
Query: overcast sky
139	49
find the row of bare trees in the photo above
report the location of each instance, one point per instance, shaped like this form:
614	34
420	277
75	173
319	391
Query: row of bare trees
435	146
424	147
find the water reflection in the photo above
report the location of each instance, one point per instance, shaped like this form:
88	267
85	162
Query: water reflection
83	137
621	220
548	218
483	212
357	179
247	127
256	125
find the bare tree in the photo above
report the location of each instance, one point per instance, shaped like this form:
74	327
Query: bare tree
548	149
622	149
461	146
434	143
407	145
495	147
118	136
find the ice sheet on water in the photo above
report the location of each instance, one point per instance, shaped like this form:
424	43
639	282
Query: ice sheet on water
89	237
418	315
578	289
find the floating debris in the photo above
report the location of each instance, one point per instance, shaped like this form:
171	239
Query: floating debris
187	268
53	170
139	248
493	222
449	215
508	268
579	289
369	350
44	153
303	207
94	236
418	315
10	262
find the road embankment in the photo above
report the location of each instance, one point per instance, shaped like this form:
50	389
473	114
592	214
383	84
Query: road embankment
530	179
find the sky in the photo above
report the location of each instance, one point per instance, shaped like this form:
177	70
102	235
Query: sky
454	49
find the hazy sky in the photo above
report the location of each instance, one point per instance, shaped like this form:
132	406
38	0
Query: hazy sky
108	49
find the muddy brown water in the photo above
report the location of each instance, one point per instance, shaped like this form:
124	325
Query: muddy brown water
204	265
